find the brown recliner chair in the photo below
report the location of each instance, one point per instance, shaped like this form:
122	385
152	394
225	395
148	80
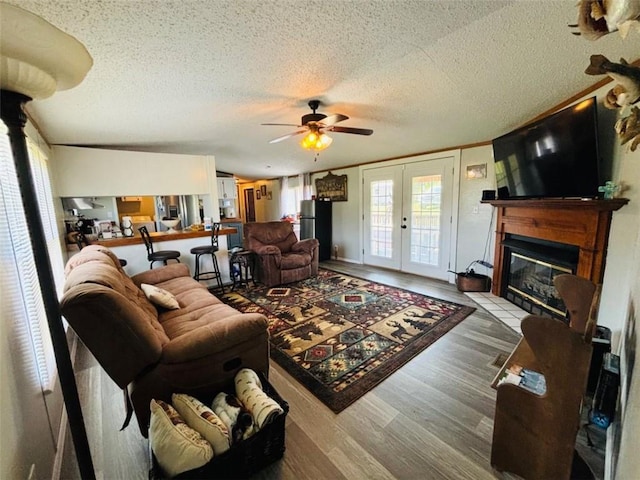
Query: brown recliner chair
280	257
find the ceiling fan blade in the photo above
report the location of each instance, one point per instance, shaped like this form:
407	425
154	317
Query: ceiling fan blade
333	119
283	124
289	135
357	131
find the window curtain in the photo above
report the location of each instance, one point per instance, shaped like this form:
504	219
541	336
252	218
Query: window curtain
20	293
284	195
304	180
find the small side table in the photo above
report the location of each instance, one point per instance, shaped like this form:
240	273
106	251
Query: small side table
244	262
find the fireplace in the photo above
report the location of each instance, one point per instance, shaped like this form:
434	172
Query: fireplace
537	239
530	267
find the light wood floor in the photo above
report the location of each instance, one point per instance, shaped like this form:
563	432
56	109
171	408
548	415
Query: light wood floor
432	418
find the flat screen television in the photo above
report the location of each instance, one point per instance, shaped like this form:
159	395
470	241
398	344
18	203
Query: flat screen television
556	157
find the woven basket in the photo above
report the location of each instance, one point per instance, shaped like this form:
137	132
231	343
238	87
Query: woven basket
245	458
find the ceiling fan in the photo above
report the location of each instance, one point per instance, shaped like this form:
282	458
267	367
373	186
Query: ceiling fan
315	125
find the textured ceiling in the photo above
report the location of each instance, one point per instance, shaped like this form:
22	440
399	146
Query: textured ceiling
200	77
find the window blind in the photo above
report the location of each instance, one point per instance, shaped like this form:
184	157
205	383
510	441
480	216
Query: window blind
20	287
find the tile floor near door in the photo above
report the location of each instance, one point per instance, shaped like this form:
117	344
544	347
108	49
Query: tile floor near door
500	308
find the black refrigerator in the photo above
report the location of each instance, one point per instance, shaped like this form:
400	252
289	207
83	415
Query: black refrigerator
315	222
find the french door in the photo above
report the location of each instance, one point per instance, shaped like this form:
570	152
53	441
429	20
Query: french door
407	217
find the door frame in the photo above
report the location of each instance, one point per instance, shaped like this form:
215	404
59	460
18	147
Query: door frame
455	200
248	205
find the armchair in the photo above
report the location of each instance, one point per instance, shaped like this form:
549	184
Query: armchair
280	257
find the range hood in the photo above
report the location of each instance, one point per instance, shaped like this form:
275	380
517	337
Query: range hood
80	203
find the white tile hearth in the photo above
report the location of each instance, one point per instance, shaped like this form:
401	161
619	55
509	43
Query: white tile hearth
502	309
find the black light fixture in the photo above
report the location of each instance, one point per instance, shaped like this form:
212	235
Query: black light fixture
37	60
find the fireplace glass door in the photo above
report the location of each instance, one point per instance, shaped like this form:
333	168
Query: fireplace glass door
530	285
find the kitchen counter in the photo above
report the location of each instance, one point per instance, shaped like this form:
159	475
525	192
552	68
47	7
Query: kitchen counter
159	237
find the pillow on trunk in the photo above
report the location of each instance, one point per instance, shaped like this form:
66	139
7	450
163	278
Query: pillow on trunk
202	419
177	446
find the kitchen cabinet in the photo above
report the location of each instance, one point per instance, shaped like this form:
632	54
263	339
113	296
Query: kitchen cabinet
227	189
234	239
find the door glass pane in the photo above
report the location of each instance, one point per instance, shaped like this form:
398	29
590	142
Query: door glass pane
425	219
381	218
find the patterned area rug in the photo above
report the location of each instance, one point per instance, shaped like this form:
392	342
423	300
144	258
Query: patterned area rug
340	336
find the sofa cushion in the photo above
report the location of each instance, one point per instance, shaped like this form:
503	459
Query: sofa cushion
97	273
177	446
96	269
159	296
295	260
196	336
93	253
162	274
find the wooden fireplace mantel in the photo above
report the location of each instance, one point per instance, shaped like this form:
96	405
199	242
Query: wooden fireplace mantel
583	223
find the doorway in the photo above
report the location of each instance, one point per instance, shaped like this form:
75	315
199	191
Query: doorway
249	205
407	221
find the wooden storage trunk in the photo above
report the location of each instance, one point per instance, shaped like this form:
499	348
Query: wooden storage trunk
472	282
245	458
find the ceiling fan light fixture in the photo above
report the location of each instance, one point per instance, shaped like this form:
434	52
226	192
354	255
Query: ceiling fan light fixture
313	126
316	141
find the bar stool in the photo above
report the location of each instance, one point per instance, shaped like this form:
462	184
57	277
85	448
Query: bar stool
81	242
209	250
160	255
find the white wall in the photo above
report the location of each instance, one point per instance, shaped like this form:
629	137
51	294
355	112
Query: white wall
628	461
94	172
476	221
625	225
266	209
28	438
619	307
346	216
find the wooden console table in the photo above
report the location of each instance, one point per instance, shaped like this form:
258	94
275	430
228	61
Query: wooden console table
583	223
534	435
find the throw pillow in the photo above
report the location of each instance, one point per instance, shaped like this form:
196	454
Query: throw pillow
177	446
249	391
160	297
202	419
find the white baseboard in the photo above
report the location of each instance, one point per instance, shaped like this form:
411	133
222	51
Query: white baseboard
611	453
62	438
64	420
350	260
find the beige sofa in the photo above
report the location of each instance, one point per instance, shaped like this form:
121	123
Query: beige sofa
150	351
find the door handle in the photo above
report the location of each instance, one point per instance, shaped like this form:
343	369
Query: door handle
403	226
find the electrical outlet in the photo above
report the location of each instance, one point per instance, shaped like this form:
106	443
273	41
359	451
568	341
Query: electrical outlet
476	209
